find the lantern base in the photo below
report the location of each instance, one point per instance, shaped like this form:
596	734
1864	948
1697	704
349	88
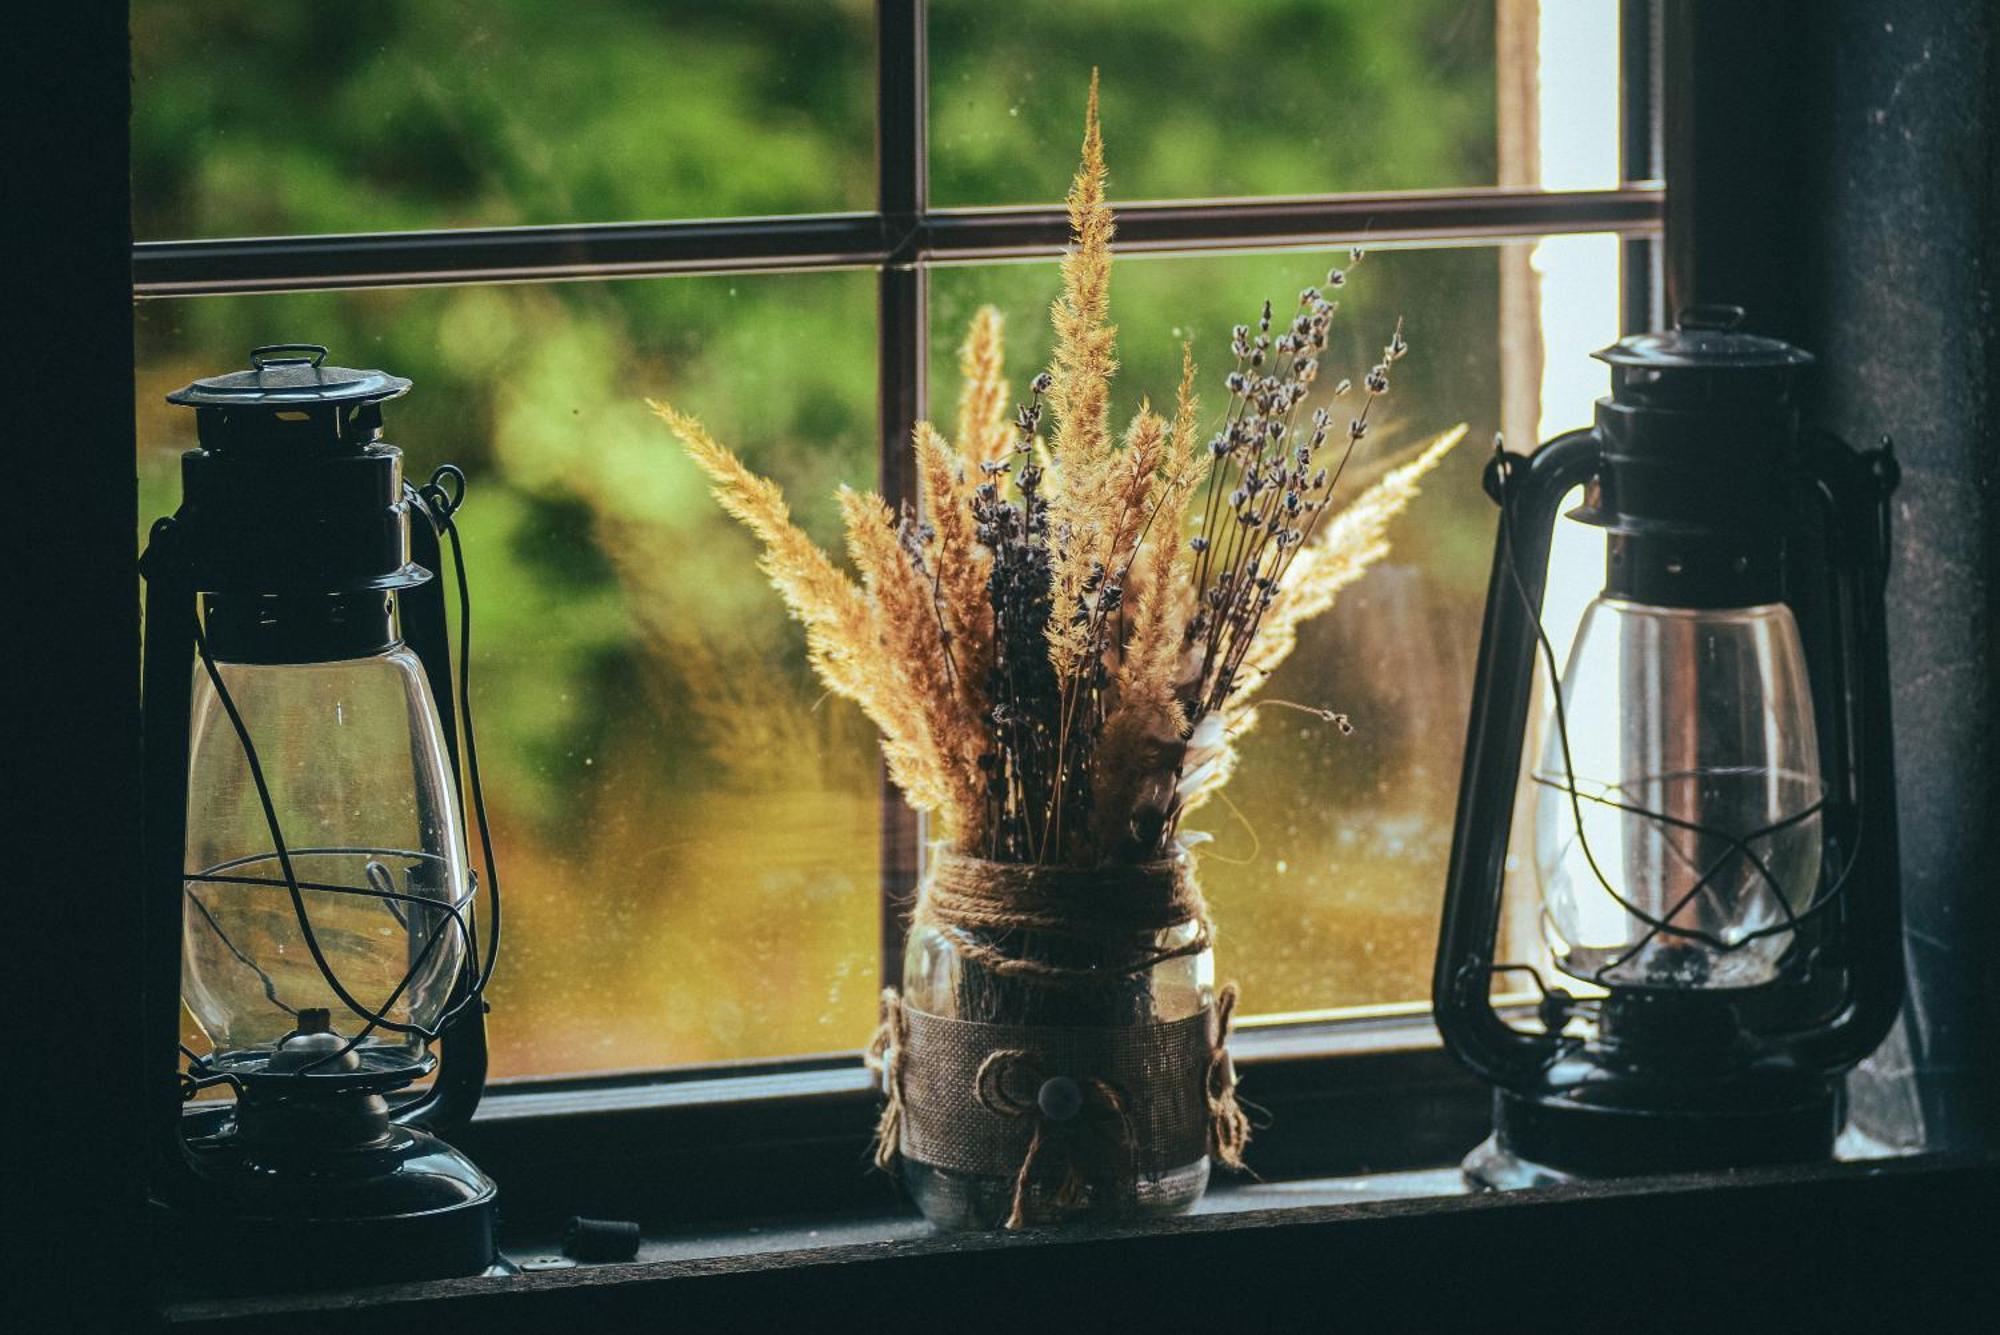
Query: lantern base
248	1217
1540	1140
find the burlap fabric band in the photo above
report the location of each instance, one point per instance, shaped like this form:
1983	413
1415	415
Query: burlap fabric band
1081	1106
974	1094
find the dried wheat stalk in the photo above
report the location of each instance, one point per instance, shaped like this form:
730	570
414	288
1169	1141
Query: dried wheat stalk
1058	667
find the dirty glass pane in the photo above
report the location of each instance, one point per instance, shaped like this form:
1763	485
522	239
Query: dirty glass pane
254	118
1207	100
1326	862
686	826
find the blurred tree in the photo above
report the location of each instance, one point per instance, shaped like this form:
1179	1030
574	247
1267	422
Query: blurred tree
688	829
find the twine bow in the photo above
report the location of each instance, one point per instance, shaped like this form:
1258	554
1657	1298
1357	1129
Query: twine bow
1086	1120
884	1056
1228	1124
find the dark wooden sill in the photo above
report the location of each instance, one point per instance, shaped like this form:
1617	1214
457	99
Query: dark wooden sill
696	1153
1884	1242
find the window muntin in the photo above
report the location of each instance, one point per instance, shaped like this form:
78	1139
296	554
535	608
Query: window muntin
258	119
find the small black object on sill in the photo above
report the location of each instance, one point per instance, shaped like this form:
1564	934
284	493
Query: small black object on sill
597	1240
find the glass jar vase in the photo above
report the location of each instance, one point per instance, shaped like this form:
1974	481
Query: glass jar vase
1054	1073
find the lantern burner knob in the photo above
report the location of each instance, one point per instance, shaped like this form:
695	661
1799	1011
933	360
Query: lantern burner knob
1717	316
313	1045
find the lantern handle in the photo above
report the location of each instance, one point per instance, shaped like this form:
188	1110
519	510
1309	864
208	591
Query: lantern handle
1529	491
447	1104
1852	489
443	500
462	1057
167	682
259	358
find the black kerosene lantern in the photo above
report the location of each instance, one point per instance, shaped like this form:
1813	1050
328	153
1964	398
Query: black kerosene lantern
309	895
1712	802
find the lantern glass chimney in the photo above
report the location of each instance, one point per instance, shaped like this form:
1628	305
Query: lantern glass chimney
1678	786
355	762
1690	739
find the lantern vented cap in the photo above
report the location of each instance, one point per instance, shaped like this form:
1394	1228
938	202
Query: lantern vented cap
1704	338
290	375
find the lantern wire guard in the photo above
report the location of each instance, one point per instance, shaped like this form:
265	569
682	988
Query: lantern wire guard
1557	1005
437	504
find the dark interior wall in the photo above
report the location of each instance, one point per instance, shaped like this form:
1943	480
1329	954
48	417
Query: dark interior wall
1835	172
73	1182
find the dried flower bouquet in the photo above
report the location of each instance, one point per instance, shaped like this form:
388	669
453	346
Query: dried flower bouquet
1060	656
1062	653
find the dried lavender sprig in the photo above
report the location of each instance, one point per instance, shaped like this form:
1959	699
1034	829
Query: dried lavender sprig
1016	764
1377	386
915	536
1262	419
1237	430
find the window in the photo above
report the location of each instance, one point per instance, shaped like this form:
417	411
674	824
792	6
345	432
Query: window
513	206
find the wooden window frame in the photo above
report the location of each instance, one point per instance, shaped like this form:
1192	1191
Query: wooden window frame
1345	1096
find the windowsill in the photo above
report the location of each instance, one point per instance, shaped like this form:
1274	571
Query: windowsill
759	1172
697	1152
1823	1212
541	1254
797	1240
842	1076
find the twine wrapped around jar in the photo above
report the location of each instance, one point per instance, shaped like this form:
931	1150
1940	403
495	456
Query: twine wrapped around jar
1092	1105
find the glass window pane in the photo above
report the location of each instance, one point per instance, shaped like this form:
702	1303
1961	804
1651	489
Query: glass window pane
1211	100
686	825
1327	865
272	119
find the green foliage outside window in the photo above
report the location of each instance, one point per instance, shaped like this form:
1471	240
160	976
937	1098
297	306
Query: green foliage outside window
688	829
